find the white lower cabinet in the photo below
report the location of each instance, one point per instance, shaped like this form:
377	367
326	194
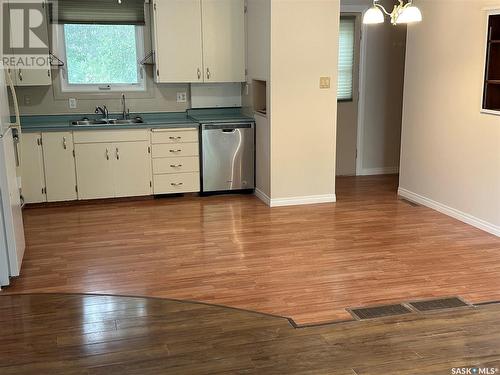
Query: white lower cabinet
176	162
32	171
59	163
94	170
132	169
65	166
109	170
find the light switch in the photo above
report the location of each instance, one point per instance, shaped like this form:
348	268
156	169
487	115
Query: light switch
72	103
324	82
181	97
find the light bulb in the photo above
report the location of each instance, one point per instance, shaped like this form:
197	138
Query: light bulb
410	15
373	15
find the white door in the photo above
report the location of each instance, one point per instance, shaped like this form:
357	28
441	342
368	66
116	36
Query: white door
131	169
60	178
347	109
94	172
32	172
177	29
11	205
223	26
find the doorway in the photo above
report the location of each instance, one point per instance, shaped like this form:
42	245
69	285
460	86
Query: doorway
348	93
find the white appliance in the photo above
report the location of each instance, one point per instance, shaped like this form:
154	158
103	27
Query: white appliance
12	243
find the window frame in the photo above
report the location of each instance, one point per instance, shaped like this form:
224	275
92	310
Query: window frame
351	98
67	87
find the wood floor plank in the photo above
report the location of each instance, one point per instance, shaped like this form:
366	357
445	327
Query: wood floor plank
306	262
189	338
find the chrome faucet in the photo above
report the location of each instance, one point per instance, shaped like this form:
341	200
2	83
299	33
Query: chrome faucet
125	110
103	110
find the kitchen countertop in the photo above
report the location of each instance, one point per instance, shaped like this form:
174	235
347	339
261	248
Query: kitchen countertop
63	122
225	115
164	120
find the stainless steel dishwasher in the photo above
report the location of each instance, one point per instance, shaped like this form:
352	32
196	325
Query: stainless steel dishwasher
228	157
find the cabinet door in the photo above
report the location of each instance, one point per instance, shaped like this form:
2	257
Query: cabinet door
223	40
32	173
131	169
35	77
32	77
177	30
59	164
94	171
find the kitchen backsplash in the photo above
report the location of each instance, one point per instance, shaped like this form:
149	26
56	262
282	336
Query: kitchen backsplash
40	100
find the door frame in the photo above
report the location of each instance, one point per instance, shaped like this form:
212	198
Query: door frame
361	84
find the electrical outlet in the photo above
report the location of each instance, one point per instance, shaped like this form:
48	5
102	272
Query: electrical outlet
72	103
181	97
324	82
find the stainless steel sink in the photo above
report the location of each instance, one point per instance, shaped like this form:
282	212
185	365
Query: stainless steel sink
128	121
89	122
110	122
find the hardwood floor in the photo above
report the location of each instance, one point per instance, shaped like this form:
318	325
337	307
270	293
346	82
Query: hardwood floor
306	262
78	334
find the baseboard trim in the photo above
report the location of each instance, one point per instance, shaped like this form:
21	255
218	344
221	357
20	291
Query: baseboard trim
450	211
296	201
377	171
263	197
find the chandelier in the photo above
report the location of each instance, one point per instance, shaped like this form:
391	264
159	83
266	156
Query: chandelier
402	13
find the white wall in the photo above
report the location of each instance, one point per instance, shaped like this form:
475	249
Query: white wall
383	103
258	67
304	47
382	95
450	151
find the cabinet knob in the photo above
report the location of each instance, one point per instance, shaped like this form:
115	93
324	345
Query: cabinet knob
199	73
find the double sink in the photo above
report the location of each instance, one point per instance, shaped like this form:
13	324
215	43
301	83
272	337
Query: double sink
107	122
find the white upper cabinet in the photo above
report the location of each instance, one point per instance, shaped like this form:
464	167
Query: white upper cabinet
177	38
32	76
224	40
199	41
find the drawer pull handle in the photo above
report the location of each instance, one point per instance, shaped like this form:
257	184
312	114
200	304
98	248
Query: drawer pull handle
175	166
176	184
65	145
175	150
107	154
175	138
117	154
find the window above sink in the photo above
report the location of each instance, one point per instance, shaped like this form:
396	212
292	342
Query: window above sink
101	58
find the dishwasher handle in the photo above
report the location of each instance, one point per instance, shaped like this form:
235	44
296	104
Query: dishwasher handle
228	126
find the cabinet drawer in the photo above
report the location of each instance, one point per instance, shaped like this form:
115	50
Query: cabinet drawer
174	136
101	136
176	183
175	150
176	165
